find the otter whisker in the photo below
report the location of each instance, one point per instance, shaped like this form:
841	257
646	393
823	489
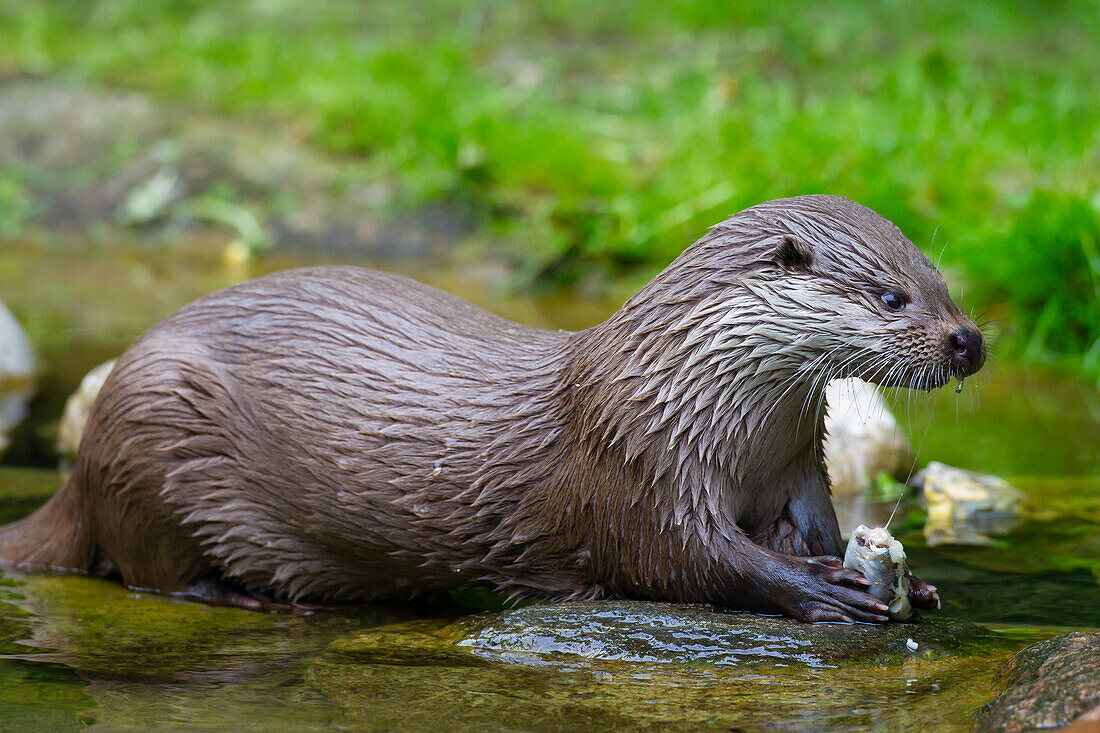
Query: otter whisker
819	379
836	370
932	245
878	366
817	389
798	378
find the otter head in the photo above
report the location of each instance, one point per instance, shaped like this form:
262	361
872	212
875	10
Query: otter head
752	321
861	299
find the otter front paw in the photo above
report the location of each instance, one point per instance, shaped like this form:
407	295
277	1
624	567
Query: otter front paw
922	595
821	589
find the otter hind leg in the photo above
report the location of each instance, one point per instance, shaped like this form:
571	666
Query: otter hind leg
145	427
154	555
217	592
178	507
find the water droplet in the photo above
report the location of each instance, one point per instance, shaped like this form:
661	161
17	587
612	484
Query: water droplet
959	387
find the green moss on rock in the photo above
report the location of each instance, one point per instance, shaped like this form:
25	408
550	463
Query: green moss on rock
628	665
594	633
1048	685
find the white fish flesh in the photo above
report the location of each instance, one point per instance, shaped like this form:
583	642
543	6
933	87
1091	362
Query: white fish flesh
881	558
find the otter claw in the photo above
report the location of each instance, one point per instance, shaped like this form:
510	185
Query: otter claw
822	591
819	613
923	595
215	593
823	615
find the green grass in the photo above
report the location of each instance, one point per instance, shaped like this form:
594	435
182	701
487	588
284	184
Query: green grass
612	134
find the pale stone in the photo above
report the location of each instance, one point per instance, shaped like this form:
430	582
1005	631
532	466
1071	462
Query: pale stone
862	437
17	372
78	407
964	507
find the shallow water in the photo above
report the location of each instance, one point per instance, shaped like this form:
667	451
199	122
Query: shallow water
77	651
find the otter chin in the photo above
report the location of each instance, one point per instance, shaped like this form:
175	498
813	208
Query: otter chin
335	434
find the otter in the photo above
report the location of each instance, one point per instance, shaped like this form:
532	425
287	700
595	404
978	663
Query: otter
335	434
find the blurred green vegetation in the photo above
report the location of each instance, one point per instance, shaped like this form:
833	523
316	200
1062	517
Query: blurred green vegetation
612	134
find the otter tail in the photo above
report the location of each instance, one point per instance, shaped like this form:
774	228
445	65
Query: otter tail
53	538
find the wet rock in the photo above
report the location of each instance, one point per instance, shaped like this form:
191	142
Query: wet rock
862	437
632	666
966	507
100	627
608	632
77	409
17	373
1049	685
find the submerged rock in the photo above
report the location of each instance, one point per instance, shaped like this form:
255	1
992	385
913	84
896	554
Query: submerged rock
17	372
100	627
1049	685
78	407
862	437
964	507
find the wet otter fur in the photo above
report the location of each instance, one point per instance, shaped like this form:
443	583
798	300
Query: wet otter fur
338	434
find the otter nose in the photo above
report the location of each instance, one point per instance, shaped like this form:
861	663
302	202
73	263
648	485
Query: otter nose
968	349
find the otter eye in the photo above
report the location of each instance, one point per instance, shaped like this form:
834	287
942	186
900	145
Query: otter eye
894	301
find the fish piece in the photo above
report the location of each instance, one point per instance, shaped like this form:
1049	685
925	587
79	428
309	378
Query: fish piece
881	558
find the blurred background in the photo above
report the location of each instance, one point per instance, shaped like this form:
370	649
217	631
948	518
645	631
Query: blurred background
542	158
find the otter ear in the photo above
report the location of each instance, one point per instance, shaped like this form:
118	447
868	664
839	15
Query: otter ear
793	255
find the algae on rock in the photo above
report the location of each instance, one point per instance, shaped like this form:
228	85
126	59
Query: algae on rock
1048	685
624	665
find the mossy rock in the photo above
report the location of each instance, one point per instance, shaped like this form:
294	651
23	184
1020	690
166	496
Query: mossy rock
1049	685
593	633
105	630
627	665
